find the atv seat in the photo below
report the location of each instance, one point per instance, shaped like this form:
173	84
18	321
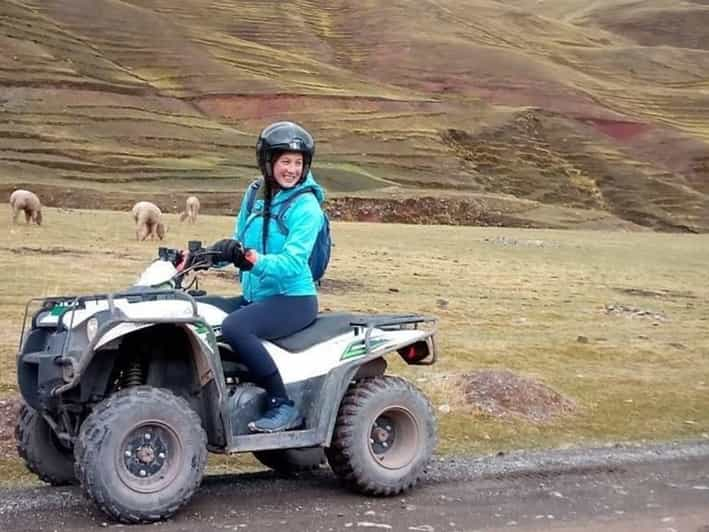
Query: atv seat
326	326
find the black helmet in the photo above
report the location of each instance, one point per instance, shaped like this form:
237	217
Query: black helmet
280	137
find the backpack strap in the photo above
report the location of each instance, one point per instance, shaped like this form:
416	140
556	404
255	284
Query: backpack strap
251	193
286	205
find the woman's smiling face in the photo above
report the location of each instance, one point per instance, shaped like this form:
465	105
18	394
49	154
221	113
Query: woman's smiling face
288	169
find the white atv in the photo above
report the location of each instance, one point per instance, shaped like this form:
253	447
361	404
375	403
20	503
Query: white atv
127	392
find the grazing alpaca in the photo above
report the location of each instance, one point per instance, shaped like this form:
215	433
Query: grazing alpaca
147	219
24	200
191	210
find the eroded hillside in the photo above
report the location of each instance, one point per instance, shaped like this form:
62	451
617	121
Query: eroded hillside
599	106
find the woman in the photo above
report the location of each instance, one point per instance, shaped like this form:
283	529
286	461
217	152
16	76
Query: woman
279	296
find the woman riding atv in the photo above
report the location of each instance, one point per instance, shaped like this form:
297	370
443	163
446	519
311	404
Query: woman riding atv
279	295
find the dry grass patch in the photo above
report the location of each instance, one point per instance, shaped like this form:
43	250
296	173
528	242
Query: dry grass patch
531	302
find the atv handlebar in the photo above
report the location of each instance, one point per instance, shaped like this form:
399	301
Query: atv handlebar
194	258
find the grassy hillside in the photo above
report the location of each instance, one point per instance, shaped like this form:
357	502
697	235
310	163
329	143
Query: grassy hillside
588	105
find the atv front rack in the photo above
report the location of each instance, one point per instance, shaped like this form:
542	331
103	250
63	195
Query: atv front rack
72	303
109	317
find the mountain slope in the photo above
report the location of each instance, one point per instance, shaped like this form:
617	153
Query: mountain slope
591	105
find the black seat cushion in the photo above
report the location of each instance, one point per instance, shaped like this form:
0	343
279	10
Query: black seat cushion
326	326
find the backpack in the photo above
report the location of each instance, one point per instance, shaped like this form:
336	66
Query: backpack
320	255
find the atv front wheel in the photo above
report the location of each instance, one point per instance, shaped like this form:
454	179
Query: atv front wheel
141	454
289	461
43	452
385	434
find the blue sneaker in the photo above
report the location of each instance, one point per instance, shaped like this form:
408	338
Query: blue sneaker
281	415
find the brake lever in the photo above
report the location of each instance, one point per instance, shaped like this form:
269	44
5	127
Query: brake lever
191	261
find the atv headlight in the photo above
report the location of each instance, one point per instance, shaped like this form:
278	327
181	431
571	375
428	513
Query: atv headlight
91	327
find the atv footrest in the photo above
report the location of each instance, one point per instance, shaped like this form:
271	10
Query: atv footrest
289	439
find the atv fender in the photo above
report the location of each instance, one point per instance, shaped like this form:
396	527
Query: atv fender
372	367
202	350
181	357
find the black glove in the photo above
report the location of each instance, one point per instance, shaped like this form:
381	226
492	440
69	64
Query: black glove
230	250
244	263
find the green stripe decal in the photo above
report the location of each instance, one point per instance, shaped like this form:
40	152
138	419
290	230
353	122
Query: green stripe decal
60	308
200	327
358	349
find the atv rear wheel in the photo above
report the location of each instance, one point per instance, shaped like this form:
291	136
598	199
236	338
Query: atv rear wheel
292	460
384	436
141	454
43	452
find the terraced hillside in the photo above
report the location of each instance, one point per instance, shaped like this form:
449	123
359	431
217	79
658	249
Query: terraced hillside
599	105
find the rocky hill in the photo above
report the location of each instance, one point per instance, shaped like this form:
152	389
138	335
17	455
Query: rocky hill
596	107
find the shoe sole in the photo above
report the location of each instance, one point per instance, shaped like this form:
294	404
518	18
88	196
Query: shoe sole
294	425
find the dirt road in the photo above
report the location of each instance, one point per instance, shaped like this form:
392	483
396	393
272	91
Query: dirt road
660	488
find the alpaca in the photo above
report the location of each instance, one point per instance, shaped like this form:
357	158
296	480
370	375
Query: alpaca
24	200
147	217
191	210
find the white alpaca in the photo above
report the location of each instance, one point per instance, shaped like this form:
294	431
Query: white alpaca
148	222
24	200
191	210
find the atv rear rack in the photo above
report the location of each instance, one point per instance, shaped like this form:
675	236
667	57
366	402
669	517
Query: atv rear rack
391	321
394	322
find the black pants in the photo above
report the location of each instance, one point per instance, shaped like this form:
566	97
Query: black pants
271	318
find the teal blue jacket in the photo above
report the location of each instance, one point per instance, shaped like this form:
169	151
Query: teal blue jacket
282	268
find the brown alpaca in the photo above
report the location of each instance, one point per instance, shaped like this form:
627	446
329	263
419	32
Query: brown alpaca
191	210
24	200
148	222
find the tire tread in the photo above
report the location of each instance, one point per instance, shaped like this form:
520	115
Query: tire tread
343	455
35	463
94	429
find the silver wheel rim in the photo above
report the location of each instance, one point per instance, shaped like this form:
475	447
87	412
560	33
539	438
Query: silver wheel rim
394	438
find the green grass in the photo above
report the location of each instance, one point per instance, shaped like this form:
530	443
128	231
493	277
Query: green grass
516	299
